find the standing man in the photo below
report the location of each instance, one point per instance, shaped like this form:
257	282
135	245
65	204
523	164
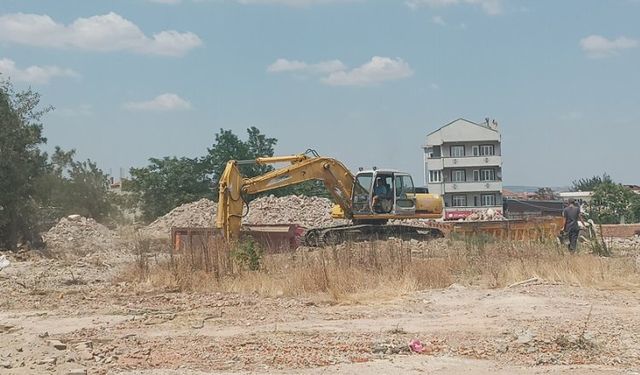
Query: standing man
571	215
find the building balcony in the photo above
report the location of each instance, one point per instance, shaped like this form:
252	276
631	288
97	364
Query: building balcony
435	164
471	161
472	187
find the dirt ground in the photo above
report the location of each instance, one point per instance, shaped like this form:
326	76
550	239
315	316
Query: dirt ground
69	317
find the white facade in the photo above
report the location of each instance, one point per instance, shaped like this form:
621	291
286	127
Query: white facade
463	163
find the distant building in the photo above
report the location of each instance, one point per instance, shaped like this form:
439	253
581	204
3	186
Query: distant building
634	188
463	163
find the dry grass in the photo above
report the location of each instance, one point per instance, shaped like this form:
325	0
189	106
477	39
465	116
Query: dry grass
381	269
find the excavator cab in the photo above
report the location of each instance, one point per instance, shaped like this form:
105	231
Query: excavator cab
382	192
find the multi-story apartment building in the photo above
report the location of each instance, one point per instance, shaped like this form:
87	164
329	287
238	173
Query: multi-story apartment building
463	163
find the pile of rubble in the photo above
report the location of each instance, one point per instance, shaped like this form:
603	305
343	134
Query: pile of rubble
77	235
627	243
200	213
487	215
309	212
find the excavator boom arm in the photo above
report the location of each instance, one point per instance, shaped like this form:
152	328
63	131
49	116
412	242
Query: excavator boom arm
338	180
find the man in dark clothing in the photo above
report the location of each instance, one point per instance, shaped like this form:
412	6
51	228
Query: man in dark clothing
381	201
571	215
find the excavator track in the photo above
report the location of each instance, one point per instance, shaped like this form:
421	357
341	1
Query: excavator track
318	237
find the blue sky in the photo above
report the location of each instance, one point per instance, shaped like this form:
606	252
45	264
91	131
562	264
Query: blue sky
363	81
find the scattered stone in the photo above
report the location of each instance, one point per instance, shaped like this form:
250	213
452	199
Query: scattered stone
456	287
48	361
4	262
84	345
58	344
525	337
86	355
5	364
77	371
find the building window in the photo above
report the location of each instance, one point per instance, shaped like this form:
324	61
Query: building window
487	150
458	175
459	200
488	200
435	176
476	201
457	151
435	153
487	175
475	150
476	175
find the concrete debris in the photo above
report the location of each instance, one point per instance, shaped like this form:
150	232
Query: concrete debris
486	215
629	243
80	236
310	212
200	213
48	361
58	344
525	337
4	262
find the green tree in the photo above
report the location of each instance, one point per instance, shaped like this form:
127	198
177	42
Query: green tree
611	203
589	184
75	187
545	194
21	163
228	146
167	183
635	207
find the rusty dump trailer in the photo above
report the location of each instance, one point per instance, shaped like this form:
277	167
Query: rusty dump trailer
271	237
533	229
287	237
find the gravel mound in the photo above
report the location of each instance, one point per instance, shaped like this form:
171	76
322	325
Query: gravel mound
309	212
200	213
77	235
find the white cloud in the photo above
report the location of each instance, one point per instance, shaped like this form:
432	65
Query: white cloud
596	46
33	74
336	73
284	65
379	69
104	33
434	86
163	102
438	20
491	7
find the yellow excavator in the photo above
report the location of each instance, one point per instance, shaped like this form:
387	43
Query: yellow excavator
368	200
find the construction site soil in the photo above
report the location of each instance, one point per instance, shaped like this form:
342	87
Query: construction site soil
74	314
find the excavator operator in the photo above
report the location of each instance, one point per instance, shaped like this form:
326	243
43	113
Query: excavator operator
380	201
